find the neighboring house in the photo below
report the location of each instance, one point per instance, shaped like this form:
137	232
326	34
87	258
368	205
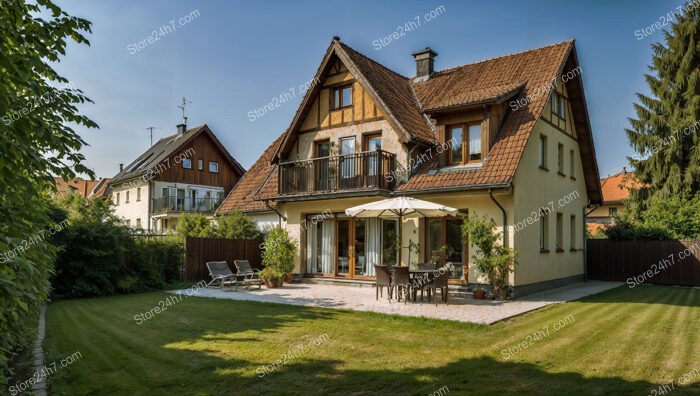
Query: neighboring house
188	172
616	190
364	133
85	188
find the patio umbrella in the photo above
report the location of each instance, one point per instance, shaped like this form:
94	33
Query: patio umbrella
401	207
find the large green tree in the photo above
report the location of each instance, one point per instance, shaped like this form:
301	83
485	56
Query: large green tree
38	113
666	132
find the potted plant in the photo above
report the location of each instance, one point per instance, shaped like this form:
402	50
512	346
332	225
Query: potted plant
493	260
271	277
479	293
277	257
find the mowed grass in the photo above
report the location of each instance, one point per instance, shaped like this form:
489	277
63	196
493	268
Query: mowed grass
624	341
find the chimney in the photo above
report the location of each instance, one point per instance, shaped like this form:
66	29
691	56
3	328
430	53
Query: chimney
182	128
425	62
121	167
624	171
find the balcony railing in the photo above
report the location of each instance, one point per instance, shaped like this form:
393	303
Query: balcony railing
366	170
181	204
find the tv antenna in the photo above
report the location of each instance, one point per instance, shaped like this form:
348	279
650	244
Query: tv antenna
150	129
185	102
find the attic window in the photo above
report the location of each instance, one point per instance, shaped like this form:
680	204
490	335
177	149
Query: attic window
341	97
559	105
465	147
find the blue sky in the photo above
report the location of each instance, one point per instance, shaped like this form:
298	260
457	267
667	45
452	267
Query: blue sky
236	56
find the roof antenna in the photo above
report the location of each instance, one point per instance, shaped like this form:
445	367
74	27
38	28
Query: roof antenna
150	129
184	104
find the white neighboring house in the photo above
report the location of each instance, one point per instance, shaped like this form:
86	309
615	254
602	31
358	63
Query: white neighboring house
188	172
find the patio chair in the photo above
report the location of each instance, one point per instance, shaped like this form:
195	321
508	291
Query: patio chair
248	273
383	280
440	282
401	281
220	274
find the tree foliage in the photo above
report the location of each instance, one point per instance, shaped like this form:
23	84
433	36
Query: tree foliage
37	139
231	226
491	258
665	132
677	217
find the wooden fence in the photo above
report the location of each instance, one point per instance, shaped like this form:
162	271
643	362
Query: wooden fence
198	251
634	262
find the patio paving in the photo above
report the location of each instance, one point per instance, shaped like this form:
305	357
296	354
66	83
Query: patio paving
363	299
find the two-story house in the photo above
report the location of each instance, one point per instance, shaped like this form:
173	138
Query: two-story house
188	172
507	137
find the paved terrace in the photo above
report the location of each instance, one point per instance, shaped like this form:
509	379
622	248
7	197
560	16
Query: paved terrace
363	299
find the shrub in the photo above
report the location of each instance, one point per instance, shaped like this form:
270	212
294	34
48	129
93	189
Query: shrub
493	260
195	225
99	256
278	254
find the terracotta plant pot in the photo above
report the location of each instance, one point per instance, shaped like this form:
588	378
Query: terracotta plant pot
289	278
479	294
272	283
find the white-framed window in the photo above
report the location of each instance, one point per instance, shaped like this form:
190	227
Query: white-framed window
187	163
544	232
138	223
560	232
572	167
138	194
116	199
612	212
200	164
127	197
213	167
560	158
543	151
559	105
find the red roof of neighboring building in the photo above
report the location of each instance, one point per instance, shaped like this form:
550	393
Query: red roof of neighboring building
85	188
616	187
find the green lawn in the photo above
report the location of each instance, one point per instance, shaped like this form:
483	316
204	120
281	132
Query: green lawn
621	341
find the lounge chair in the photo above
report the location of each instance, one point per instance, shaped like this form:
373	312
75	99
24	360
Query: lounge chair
248	274
220	274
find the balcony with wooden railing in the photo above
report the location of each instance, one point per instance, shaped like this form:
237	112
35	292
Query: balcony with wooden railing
371	170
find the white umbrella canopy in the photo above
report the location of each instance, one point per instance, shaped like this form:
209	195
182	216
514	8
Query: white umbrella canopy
401	207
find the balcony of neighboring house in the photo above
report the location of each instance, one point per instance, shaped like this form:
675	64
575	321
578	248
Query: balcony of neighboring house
373	171
181	204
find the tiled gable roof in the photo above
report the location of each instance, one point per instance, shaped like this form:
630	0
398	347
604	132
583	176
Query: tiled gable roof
533	70
616	187
526	74
243	196
394	90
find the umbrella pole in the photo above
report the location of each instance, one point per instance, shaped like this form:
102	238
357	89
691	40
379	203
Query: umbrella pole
400	240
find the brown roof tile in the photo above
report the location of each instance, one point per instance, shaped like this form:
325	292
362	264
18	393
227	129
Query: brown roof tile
243	196
535	69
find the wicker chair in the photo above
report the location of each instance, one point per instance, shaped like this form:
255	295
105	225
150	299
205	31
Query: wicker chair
401	281
440	282
383	280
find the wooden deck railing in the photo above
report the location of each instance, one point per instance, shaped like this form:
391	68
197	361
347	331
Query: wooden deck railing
365	170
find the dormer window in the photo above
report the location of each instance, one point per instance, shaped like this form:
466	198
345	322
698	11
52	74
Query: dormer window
465	143
341	97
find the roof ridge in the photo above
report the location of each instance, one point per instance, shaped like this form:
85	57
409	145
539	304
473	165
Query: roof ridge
504	56
373	61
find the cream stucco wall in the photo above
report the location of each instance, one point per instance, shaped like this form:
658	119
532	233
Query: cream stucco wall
536	188
134	209
604	210
264	221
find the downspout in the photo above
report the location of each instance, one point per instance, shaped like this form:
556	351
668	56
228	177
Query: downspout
505	218
279	215
585	240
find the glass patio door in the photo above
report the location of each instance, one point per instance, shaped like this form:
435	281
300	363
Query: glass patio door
347	162
344	247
